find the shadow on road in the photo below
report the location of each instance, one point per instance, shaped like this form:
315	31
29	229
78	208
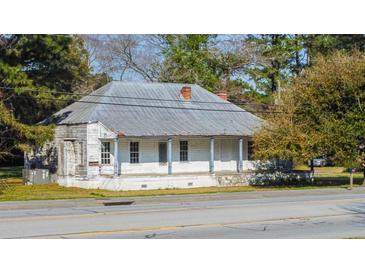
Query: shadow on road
358	209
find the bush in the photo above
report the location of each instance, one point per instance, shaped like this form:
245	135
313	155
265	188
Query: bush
280	178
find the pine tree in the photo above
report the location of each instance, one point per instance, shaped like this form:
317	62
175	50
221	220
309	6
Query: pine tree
30	67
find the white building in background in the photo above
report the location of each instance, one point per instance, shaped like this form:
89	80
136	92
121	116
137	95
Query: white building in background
127	136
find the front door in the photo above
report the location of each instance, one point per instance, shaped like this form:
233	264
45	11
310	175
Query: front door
162	153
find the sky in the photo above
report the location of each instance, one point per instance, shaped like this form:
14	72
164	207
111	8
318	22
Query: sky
146	49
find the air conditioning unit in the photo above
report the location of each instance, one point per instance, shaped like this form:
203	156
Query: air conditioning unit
36	176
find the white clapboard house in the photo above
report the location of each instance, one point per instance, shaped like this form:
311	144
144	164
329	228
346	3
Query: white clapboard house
129	136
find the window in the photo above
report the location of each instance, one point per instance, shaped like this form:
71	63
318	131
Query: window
250	150
183	151
105	153
134	152
162	153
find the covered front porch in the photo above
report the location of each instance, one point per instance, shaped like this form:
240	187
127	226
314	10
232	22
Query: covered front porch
127	156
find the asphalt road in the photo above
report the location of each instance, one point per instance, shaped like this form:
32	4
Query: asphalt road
331	213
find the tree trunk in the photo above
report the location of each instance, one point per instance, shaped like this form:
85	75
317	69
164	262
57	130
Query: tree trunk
312	166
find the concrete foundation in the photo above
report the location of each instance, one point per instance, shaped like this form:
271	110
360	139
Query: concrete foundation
141	182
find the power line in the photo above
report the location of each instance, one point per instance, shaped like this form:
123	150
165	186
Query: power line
142	105
135	98
151	106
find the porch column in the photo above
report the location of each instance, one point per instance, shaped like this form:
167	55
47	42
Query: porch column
240	155
211	162
169	156
116	165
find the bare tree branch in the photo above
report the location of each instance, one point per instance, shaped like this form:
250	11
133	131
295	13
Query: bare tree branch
126	55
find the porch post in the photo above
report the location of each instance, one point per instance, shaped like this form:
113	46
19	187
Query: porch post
211	162
116	165
169	156
240	155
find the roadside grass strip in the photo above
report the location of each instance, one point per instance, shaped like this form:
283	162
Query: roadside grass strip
20	192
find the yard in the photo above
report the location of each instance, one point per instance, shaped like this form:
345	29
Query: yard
11	172
15	190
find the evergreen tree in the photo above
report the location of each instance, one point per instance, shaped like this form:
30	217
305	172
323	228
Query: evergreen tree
30	67
281	59
191	59
326	44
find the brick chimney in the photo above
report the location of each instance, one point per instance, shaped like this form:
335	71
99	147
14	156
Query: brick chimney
186	93
223	94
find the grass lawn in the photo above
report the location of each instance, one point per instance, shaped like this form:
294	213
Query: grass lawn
17	191
11	172
329	172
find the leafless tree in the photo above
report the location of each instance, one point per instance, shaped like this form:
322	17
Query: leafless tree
140	57
126	56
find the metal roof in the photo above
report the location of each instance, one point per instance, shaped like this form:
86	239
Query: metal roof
157	109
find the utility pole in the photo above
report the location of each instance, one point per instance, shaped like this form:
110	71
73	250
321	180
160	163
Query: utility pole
352	171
